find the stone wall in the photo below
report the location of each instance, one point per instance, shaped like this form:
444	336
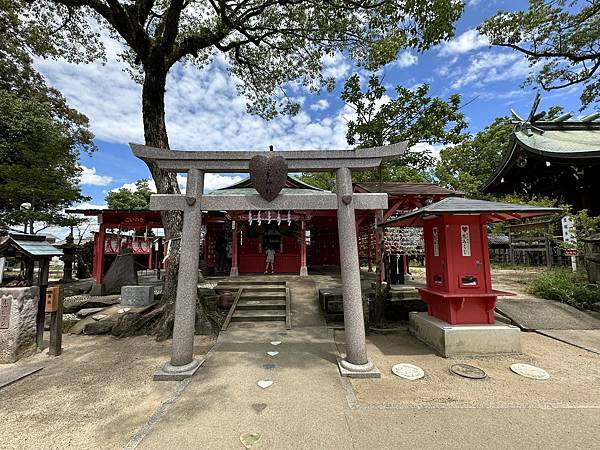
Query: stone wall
18	309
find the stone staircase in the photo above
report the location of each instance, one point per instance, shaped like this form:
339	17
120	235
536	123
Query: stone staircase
258	301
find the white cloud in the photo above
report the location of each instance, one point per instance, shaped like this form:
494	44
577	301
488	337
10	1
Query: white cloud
204	110
320	105
405	59
488	67
435	149
91	178
212	181
464	43
335	66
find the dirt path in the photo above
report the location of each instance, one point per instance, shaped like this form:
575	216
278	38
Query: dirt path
95	395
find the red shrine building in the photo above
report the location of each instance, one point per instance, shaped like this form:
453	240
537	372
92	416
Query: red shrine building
236	242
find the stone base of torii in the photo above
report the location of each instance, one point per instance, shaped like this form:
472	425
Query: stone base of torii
182	364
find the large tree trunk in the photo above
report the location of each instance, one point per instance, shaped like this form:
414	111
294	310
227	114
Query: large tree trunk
155	133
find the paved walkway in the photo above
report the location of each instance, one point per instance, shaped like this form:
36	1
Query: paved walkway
310	406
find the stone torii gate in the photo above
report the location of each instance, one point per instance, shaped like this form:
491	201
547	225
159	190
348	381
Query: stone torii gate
193	202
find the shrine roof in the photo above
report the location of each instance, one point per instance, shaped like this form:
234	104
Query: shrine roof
571	142
293	185
31	245
493	211
401	188
135	218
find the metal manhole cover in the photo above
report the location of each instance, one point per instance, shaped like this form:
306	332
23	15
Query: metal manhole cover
408	371
529	371
468	371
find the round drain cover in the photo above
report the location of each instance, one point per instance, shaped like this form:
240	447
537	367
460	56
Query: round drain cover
408	371
529	371
468	371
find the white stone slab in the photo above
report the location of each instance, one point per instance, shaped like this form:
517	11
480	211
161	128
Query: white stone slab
408	371
272	353
529	371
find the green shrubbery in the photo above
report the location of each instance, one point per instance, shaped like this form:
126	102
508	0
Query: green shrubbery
565	286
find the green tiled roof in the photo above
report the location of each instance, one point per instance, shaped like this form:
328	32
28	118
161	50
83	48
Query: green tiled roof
33	246
565	142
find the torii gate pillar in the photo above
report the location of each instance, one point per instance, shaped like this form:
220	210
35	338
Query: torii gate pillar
355	364
183	364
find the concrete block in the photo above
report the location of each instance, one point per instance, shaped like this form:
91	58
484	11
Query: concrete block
137	295
464	340
18	311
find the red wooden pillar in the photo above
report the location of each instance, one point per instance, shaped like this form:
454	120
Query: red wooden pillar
99	254
234	250
303	268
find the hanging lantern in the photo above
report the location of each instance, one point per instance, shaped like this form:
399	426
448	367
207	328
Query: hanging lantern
289	218
521	160
269	216
250	217
278	218
258	218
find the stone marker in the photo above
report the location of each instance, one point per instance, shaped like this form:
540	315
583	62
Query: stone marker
275	342
529	371
137	295
272	353
264	383
121	273
18	310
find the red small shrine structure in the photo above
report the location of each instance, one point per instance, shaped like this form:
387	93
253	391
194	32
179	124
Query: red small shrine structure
111	237
459	282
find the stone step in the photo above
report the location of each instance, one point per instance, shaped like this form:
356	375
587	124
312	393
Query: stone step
245	304
254	288
255	315
263	295
251	283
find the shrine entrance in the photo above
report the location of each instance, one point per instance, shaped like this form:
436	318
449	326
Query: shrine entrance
268	174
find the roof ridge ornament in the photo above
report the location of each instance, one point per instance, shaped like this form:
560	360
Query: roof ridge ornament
526	125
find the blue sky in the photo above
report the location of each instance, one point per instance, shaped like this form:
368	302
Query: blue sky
205	112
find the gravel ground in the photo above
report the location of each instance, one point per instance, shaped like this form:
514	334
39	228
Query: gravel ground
575	375
97	394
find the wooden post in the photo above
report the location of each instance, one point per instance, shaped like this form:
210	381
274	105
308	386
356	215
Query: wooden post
234	272
56	327
99	254
303	268
548	247
41	312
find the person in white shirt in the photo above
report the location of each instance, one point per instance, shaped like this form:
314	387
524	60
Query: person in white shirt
270	252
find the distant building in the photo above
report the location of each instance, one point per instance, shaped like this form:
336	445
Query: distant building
557	158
